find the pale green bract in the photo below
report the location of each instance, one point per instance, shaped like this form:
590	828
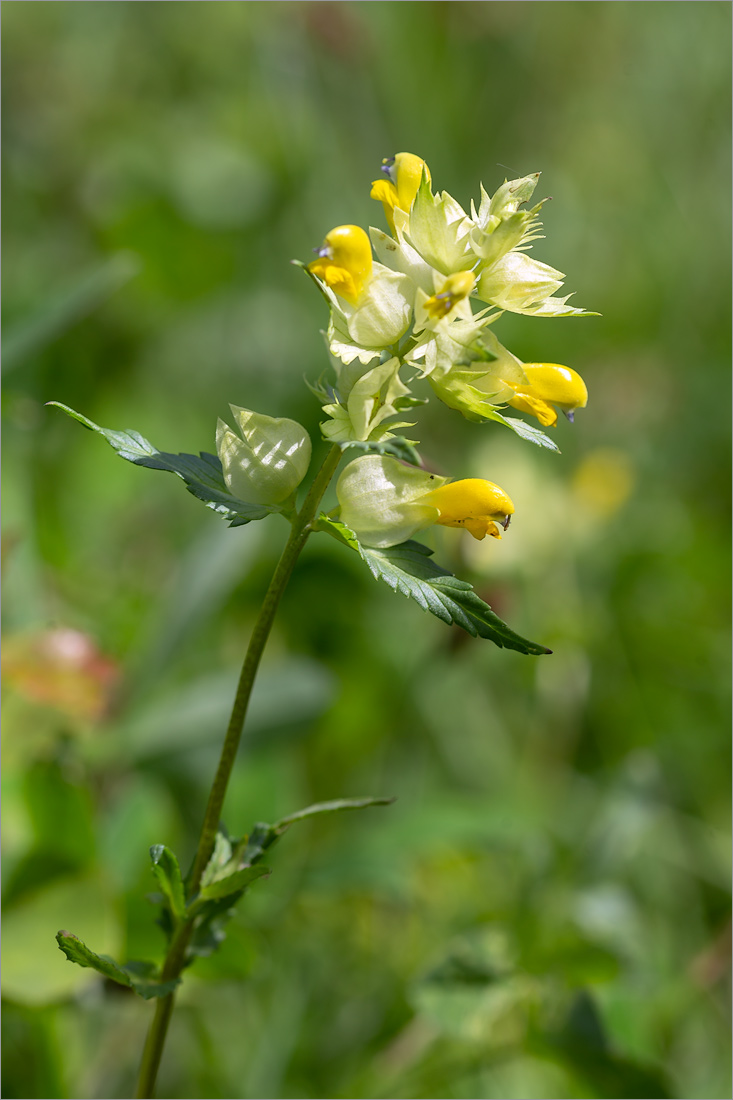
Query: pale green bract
370	401
439	230
380	499
266	462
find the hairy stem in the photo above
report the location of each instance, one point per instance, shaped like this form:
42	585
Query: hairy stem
176	957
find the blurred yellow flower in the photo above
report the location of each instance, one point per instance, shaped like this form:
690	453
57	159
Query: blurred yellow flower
603	482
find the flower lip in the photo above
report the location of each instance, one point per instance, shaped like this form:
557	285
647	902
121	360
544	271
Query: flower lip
475	505
387	168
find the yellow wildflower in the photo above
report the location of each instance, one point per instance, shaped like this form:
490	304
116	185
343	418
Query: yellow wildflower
344	261
478	505
454	290
404	174
549	384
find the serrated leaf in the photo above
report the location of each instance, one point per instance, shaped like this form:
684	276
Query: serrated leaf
168	874
233	883
397	447
407	568
201	474
524	430
139	976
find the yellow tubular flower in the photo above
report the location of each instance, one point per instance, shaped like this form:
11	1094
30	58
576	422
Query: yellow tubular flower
404	175
549	384
344	261
479	506
454	290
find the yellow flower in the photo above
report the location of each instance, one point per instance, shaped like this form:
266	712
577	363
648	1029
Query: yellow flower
549	384
386	502
454	290
479	506
344	261
404	174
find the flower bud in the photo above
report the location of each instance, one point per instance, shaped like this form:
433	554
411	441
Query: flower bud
267	461
454	290
511	195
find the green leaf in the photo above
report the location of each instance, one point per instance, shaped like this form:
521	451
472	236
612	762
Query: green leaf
407	568
202	474
168	874
338	531
220	857
524	430
262	837
139	976
208	933
410	402
233	883
312	277
321	390
397	446
333	806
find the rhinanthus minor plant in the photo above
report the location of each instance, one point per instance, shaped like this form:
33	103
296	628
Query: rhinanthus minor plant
401	311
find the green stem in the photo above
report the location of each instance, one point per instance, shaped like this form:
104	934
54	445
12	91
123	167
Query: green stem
176	957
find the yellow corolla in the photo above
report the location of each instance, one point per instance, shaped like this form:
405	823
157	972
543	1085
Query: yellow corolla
454	290
479	506
344	261
404	174
549	384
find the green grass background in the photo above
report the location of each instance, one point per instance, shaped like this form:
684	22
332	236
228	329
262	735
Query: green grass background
544	910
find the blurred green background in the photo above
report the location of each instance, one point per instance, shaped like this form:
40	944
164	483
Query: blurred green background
544	910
